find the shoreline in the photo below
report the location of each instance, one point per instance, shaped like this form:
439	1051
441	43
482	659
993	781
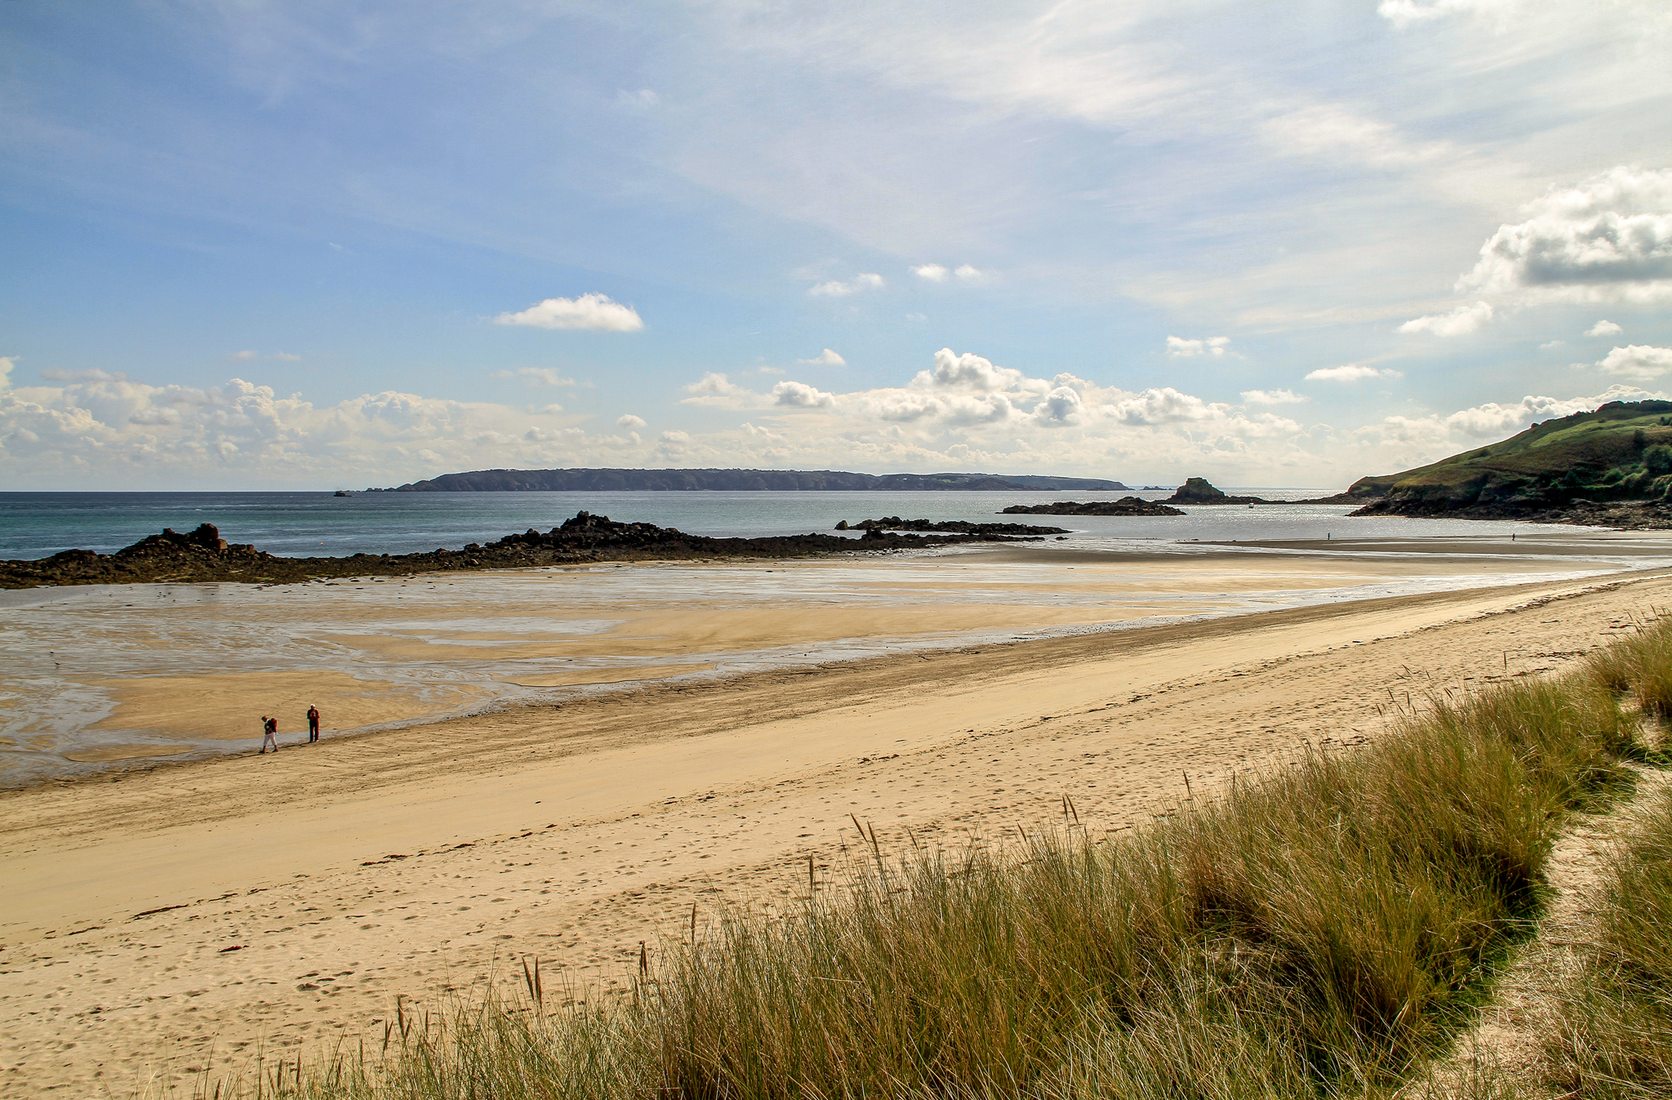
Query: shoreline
193	664
164	921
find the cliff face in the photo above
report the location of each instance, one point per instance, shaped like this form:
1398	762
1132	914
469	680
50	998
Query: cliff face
622	480
1612	465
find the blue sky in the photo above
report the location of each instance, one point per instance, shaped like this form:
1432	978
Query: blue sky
302	245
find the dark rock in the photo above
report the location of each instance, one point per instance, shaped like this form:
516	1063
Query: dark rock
1125	506
1198	490
955	526
202	555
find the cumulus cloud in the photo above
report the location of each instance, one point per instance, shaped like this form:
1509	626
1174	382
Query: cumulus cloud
1062	406
934	273
799	395
1604	328
968	371
1271	397
1179	347
1442	432
838	288
591	312
968	272
714	388
630	422
1607	238
1351	372
7	362
1461	321
1637	361
1163	405
825	358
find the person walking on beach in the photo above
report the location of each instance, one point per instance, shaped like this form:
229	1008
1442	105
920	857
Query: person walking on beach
313	723
269	733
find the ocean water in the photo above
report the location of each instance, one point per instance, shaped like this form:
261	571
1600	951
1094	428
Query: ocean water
80	663
35	525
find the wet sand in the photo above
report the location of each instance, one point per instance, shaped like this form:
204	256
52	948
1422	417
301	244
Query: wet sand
156	923
105	676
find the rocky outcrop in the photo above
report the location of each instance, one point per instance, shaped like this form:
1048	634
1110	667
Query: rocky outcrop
203	556
953	526
1125	506
1198	490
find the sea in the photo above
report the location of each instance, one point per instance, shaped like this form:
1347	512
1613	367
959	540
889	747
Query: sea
309	524
110	676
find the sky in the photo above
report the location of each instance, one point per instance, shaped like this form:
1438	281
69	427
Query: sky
309	244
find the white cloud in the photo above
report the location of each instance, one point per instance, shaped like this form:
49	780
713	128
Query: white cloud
968	371
1163	405
1179	347
1063	405
643	99
836	288
825	358
630	422
245	356
939	273
1607	238
540	376
7	362
799	395
592	312
1404	13
716	389
1637	361
1351	372
1271	397
1442	433
1604	328
1461	321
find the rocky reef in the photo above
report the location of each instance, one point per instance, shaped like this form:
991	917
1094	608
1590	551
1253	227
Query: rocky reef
952	526
202	555
1125	506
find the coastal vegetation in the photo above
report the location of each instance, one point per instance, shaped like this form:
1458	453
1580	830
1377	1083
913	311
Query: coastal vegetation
1321	929
1612	466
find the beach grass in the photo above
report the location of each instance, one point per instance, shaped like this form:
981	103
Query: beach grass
1612	1036
1318	929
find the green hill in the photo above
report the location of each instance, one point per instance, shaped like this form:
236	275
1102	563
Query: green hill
1584	468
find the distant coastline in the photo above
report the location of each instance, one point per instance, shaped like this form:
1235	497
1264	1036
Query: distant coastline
606	479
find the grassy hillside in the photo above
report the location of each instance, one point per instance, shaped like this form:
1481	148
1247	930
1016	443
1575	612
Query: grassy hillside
1620	452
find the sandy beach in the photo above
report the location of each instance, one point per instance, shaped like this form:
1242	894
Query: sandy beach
160	923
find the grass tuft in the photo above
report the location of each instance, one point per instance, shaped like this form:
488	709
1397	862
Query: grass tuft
1320	932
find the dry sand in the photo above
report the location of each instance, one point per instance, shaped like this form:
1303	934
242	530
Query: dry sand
157	923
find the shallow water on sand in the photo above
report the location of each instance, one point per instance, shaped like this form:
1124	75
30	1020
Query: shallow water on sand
104	676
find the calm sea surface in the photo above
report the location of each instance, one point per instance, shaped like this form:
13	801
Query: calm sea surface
34	525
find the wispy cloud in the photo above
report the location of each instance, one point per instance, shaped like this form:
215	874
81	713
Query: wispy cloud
825	358
842	288
1179	347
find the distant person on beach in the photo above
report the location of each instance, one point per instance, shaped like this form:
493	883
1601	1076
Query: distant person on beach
269	733
313	723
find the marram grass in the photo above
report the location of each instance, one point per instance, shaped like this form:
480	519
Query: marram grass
1318	932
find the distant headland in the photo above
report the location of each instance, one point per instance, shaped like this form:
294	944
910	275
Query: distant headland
603	480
